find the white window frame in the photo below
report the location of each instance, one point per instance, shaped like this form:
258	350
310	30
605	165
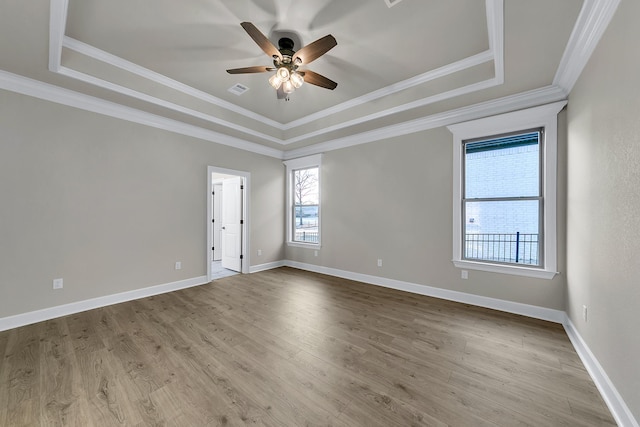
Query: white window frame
545	116
293	165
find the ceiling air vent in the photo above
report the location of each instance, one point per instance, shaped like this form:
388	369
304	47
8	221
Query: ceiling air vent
392	2
239	89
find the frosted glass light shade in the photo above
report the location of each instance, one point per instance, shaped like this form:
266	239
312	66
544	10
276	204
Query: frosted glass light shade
283	73
287	86
296	79
275	81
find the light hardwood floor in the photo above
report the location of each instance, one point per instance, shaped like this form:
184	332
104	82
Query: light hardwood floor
291	348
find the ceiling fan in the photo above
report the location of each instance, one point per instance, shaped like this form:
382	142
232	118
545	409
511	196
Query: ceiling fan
286	61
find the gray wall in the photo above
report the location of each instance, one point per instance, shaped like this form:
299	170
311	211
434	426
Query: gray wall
603	266
109	205
392	199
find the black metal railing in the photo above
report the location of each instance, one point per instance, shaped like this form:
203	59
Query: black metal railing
518	248
306	236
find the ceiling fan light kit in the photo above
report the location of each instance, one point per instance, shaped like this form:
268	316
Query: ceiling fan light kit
287	78
286	75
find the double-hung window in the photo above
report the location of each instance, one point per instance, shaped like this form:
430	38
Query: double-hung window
502	199
303	201
505	192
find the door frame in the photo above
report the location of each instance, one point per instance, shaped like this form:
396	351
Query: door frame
246	209
216	225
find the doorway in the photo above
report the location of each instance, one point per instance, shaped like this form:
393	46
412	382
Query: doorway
227	222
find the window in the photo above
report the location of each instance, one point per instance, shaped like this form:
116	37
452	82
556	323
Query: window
303	201
502	199
505	192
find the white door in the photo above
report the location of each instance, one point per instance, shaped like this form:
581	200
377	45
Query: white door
217	222
231	223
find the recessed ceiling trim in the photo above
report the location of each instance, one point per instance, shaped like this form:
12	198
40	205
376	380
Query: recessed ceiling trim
446	70
162	103
57	24
123	64
491	5
411	105
495	28
68	97
440	72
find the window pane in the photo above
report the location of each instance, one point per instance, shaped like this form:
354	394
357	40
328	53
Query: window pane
502	231
503	167
305	205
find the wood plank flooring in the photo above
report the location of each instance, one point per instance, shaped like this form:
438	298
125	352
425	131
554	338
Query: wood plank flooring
291	348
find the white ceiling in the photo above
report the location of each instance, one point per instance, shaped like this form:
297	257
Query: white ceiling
415	65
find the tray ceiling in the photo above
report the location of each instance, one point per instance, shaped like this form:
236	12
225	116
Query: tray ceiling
396	67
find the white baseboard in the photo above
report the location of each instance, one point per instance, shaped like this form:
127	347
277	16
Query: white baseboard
18	320
556	316
266	266
616	404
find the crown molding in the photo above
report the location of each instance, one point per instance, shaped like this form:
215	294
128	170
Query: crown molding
49	92
519	101
591	24
35	88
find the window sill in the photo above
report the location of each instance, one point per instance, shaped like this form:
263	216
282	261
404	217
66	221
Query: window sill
538	273
304	245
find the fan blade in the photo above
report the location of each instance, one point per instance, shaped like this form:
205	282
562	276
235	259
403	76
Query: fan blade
261	40
249	70
315	50
318	80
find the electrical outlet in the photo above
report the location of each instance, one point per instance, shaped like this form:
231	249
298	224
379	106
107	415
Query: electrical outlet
584	312
315	253
464	274
379	262
259	252
178	265
58	283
